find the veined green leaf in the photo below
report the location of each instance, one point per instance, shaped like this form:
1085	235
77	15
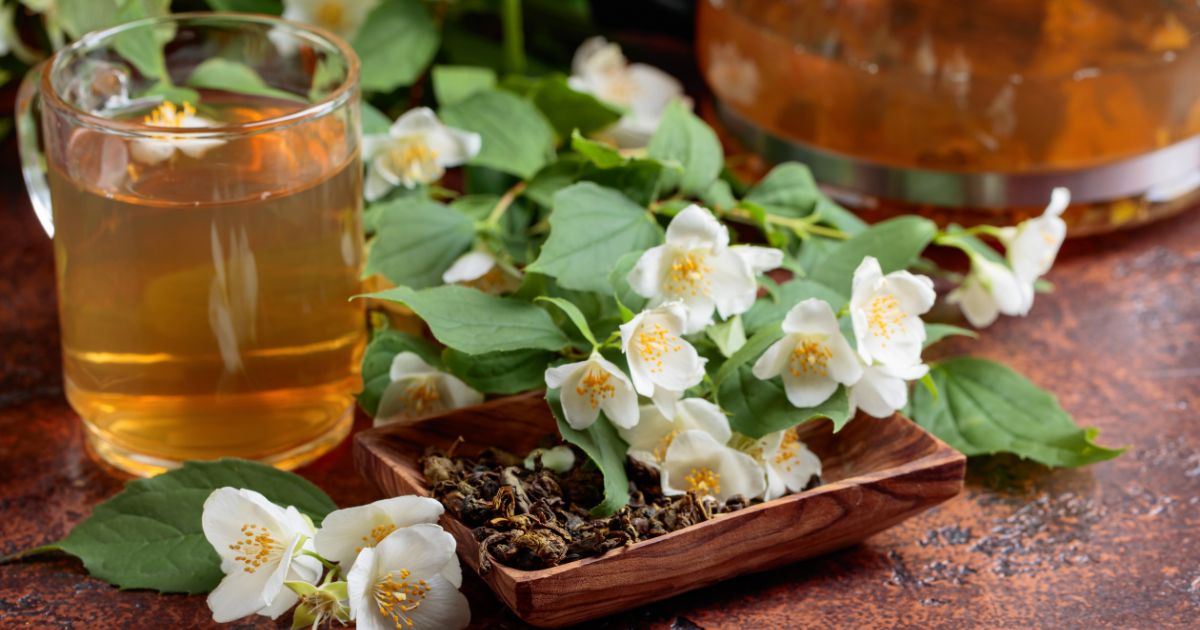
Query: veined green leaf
605	448
640	180
552	178
396	43
729	335
516	137
416	241
597	153
984	407
150	536
771	309
749	351
685	139
373	120
590	229
510	372
789	189
573	313
757	407
568	109
937	332
452	84
377	363
234	76
474	322
895	242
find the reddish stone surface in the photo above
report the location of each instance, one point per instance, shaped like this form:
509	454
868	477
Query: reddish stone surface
1110	545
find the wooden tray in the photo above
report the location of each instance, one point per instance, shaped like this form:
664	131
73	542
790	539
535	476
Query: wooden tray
877	473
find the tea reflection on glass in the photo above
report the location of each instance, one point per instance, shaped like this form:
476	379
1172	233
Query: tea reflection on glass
204	279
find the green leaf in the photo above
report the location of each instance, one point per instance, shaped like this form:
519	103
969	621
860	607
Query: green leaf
78	17
572	312
377	363
373	120
640	180
138	45
605	448
984	407
553	178
233	76
505	373
568	109
395	44
269	7
772	308
937	332
452	84
757	407
149	535
750	351
789	189
719	196
477	323
598	153
729	335
416	241
895	242
590	229
619	281
516	137
833	214
685	139
173	93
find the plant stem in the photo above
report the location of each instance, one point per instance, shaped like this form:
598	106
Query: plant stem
514	36
799	225
332	566
509	197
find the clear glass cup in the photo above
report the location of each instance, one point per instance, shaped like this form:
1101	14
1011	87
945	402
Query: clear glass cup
201	177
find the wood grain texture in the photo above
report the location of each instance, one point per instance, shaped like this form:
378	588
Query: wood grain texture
877	473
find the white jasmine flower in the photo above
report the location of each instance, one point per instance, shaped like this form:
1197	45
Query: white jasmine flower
812	357
988	290
883	389
696	266
600	69
418	389
345	533
788	462
417	149
260	547
1033	245
591	386
696	462
341	17
661	362
732	75
162	147
409	580
560	458
886	310
649	439
481	270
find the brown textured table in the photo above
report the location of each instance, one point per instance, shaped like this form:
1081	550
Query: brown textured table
1116	544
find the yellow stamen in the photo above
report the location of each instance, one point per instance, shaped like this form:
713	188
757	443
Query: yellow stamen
703	481
788	448
256	548
886	316
689	276
331	15
810	357
595	386
396	597
378	533
660	451
169	115
655	344
414	160
421	397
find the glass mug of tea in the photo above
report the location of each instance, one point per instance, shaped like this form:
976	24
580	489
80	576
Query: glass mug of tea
201	177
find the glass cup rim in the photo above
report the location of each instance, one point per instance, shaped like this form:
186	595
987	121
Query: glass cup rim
332	101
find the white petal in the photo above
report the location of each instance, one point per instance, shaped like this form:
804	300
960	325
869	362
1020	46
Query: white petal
1003	285
977	304
775	359
700	310
653	91
583	63
344	532
696	227
374	144
866	279
417	121
150	150
622	407
377	185
455	393
665	400
197	147
558	375
699	414
409	364
423	549
651	428
796	466
914	293
775	485
737	472
807	389
734	286
759	259
238	595
1060	198
454	147
227	510
577	408
880	393
452	571
844	366
470	266
811	316
646	277
444	607
360	584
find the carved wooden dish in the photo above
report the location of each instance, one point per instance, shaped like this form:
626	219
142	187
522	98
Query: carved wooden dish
876	472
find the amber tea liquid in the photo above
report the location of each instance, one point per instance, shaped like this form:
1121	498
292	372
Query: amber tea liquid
204	301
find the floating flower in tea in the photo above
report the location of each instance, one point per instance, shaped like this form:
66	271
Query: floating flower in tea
161	147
